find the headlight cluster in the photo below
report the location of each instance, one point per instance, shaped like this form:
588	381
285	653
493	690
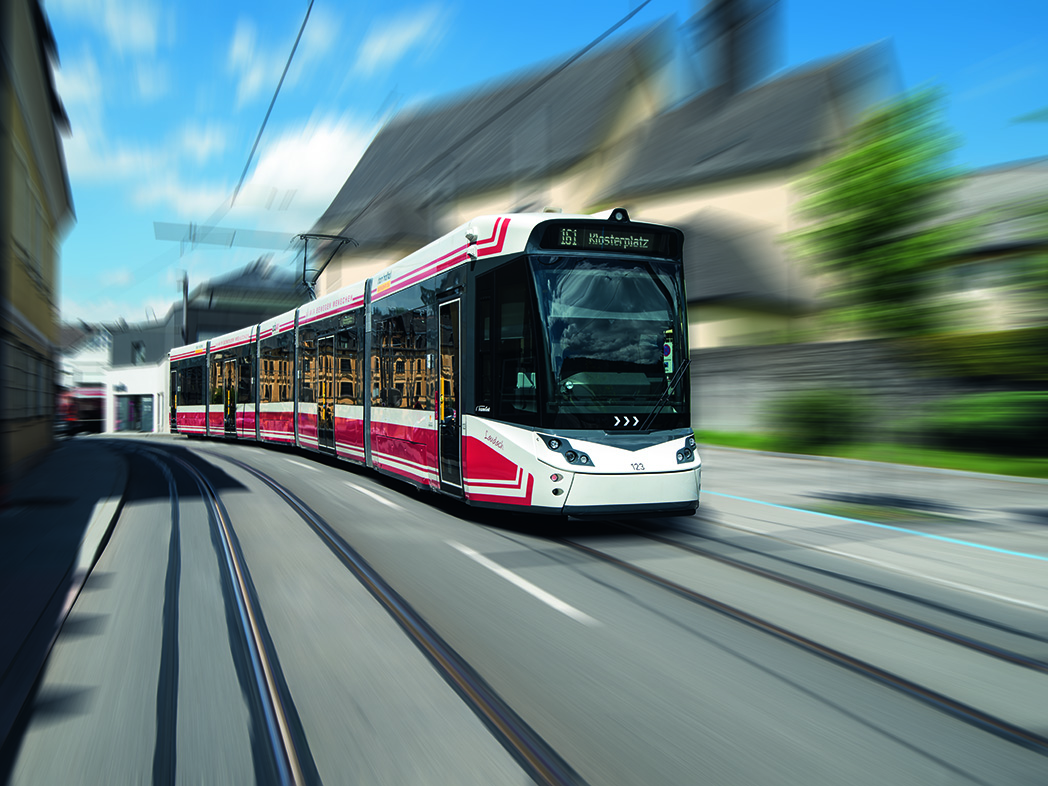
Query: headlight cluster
562	446
687	453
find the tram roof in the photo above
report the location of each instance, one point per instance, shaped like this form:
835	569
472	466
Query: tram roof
785	120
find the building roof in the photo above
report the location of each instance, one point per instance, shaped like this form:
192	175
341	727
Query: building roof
536	123
729	263
717	136
1010	202
257	285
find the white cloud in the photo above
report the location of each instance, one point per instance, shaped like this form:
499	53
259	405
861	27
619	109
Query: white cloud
249	66
79	82
152	80
120	277
258	69
201	142
89	160
188	200
129	25
389	42
306	167
109	310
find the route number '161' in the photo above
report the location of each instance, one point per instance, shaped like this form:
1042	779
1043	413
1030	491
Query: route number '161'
638	467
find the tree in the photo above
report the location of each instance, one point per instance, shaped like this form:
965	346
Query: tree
874	210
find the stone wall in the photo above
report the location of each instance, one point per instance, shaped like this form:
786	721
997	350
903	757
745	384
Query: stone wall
733	386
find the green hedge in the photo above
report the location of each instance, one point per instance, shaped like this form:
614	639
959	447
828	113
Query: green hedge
1008	354
1005	423
810	419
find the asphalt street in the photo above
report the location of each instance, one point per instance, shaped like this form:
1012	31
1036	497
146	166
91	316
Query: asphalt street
628	682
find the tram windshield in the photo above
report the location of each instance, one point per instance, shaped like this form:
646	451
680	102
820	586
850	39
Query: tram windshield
582	342
613	340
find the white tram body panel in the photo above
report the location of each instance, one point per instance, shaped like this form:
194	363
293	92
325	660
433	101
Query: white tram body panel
509	465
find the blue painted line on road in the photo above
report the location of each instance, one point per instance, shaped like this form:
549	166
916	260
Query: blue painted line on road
943	538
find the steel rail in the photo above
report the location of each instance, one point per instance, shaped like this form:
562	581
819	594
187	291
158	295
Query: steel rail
1015	658
530	750
960	613
278	729
963	712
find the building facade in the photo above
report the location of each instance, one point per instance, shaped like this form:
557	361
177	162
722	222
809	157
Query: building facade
37	210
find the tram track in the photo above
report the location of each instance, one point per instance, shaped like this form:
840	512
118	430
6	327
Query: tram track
536	756
541	762
866	607
858	583
279	738
962	710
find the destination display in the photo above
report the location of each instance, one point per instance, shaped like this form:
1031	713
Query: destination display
609	238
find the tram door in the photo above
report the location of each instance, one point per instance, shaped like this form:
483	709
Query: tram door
450	447
229	396
173	399
326	392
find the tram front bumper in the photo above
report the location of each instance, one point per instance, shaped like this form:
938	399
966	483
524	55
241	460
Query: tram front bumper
648	494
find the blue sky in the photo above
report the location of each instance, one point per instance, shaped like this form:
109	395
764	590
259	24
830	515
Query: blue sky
165	101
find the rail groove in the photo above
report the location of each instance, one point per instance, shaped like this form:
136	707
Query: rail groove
532	752
964	712
281	742
1015	658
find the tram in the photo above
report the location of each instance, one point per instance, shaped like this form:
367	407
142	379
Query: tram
523	361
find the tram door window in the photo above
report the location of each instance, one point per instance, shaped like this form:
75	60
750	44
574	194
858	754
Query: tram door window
229	395
307	382
448	396
325	392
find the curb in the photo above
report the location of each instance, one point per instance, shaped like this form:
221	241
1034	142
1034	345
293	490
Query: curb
17	683
870	463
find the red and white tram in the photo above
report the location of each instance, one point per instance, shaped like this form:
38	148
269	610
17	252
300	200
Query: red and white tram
533	361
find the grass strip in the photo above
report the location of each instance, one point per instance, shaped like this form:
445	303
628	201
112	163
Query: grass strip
887	452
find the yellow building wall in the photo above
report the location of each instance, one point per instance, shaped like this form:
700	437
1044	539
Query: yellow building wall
763	200
37	207
32	272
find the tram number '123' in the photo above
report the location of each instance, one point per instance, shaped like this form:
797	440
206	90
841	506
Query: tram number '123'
638	467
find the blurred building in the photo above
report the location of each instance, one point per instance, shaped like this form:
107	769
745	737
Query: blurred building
999	281
552	136
721	162
129	362
35	211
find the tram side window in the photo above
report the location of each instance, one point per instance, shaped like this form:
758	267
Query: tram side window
191	386
349	367
506	378
398	362
265	372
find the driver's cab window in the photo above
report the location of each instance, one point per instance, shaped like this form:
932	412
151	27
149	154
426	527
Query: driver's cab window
506	383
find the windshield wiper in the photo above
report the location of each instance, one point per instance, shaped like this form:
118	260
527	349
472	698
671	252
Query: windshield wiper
677	376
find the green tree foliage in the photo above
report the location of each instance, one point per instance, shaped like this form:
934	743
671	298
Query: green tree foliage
874	210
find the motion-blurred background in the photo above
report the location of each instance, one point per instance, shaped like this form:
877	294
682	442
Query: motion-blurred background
865	212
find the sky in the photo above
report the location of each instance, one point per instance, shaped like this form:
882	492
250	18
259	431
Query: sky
165	100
